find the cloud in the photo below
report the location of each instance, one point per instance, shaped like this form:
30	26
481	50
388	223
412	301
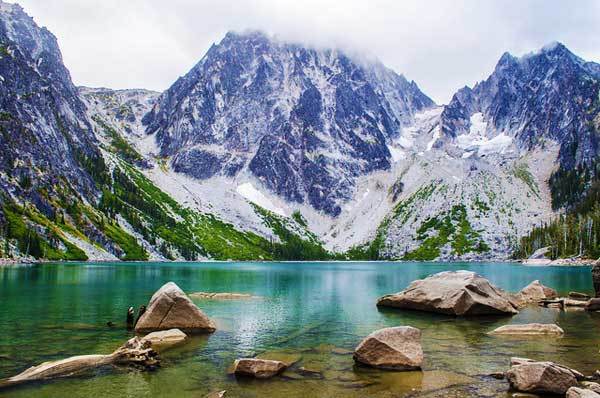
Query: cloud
442	45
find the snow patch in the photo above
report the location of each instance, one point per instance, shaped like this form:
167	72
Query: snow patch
252	194
397	153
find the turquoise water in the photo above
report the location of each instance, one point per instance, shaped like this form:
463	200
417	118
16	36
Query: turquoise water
314	311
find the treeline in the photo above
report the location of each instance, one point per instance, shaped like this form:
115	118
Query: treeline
577	232
567	236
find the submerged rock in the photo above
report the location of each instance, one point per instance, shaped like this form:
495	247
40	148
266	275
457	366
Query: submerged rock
170	308
576	392
395	348
165	338
528	329
453	293
579	296
258	368
531	376
134	352
221	296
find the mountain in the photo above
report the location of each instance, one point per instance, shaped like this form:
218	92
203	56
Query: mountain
305	122
47	140
549	95
273	150
71	181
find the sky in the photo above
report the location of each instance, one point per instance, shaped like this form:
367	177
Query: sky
442	45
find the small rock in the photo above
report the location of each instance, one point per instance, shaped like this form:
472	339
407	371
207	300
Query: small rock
576	392
310	373
396	348
165	338
579	296
258	368
528	329
535	291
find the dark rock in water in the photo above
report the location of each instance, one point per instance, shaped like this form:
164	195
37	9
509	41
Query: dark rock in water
593	305
170	308
596	278
452	293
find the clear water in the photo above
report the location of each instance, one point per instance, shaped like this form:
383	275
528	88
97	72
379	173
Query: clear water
313	311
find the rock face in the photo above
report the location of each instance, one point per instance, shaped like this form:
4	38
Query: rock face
306	122
259	368
541	377
453	293
170	308
576	392
529	329
165	338
134	352
523	97
396	348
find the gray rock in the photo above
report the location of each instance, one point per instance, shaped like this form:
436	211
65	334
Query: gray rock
258	368
453	293
170	308
396	348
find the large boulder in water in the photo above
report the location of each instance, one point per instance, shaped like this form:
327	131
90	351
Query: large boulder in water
452	293
396	348
170	308
541	377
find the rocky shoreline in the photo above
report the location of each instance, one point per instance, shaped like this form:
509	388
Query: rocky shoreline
171	316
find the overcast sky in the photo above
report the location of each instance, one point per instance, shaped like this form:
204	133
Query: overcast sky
442	45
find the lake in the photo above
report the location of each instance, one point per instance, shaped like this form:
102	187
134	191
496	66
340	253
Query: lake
317	310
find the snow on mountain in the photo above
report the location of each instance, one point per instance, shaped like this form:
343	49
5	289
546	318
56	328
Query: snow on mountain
304	122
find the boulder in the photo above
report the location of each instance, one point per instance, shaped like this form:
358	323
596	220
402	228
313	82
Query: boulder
540	377
165	338
258	368
535	292
395	348
529	329
593	305
576	392
539	257
452	293
170	308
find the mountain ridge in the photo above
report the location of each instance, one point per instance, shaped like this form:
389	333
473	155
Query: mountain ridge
269	150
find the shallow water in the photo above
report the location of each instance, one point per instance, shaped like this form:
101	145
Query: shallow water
317	312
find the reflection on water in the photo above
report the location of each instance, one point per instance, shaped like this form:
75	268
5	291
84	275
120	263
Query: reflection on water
317	310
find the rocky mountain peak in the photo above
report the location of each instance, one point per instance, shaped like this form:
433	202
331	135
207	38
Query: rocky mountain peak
305	122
